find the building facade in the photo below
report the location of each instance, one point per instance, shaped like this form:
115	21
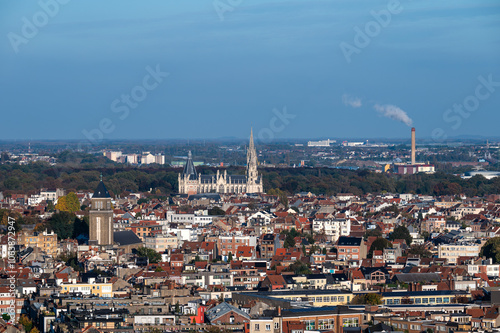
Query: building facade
190	182
101	217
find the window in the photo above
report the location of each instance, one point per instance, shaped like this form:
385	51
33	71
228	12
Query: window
276	326
257	327
350	322
310	324
268	327
325	324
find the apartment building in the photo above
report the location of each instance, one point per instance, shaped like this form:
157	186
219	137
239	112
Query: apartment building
451	252
351	248
46	241
160	243
332	228
96	289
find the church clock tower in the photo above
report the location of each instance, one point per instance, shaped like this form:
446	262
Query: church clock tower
101	217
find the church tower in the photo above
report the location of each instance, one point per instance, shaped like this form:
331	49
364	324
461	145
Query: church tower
101	217
253	180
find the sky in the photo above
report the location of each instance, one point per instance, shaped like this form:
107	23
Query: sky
162	69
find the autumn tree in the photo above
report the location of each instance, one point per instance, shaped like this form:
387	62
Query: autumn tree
68	203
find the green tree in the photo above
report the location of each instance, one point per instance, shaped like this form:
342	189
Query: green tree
491	249
379	244
153	256
373	232
289	241
230	257
62	224
420	250
401	232
367	299
216	211
80	227
50	206
298	267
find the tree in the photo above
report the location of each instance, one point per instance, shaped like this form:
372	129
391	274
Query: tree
216	211
153	256
289	241
373	232
229	257
420	250
6	317
491	249
62	224
68	203
34	330
367	299
26	322
379	244
50	206
80	227
401	232
298	267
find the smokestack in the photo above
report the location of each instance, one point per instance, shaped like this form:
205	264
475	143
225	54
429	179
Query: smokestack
413	146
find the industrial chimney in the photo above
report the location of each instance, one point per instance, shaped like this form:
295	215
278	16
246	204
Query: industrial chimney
413	146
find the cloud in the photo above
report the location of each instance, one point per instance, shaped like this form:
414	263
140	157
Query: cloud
393	112
351	101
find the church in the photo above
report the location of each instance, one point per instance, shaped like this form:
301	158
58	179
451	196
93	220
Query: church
101	229
190	182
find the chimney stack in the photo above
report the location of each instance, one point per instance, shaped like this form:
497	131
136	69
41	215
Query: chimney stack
413	146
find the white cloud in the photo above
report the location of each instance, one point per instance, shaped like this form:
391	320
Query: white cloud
351	101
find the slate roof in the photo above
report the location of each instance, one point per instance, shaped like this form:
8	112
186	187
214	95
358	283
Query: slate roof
126	237
101	191
349	241
418	277
221	310
189	168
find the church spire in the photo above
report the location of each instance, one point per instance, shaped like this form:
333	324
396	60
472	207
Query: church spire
251	145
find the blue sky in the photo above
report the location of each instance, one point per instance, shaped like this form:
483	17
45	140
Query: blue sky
225	76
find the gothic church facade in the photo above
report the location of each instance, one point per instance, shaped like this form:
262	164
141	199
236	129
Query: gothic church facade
190	182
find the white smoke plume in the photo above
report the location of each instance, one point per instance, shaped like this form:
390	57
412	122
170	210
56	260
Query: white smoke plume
351	101
393	112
